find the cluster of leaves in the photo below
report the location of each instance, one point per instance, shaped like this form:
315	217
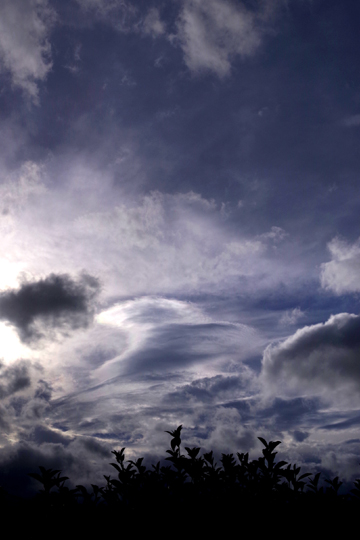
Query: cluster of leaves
195	483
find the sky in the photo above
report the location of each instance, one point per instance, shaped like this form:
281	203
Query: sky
179	221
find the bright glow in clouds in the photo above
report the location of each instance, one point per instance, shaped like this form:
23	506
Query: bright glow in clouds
11	348
169	333
139	318
152	310
155	244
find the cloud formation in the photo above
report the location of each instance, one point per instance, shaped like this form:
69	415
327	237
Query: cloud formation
13	378
19	187
153	25
292	316
317	358
121	14
25	51
352	121
165	335
341	274
57	301
212	32
173	242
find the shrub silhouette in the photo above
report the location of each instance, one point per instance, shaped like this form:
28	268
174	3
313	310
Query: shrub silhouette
196	485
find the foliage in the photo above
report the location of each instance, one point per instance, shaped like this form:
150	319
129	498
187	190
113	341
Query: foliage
196	484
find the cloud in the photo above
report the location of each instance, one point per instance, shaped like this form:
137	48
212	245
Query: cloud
42	434
316	358
300	436
341	274
169	242
166	335
212	32
276	234
157	243
345	424
43	390
14	378
352	121
57	301
218	388
25	51
229	432
18	188
292	316
49	449
121	14
283	414
153	25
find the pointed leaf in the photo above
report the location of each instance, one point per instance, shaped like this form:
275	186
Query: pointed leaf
304	475
116	466
263	441
273	445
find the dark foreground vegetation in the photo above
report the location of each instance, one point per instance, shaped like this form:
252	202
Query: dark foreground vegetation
191	491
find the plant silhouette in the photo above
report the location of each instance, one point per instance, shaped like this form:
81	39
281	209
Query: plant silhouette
195	485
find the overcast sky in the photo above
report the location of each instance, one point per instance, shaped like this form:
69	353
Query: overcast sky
180	240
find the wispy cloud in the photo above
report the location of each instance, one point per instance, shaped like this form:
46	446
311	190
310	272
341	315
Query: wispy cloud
123	15
292	316
213	32
153	24
25	50
352	121
165	335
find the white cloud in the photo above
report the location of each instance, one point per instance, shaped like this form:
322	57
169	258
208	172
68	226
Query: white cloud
292	316
25	50
154	244
212	32
152	311
167	334
276	234
168	242
18	187
316	359
341	275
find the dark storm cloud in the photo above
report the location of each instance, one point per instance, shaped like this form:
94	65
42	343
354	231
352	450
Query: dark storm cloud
14	378
325	355
56	301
